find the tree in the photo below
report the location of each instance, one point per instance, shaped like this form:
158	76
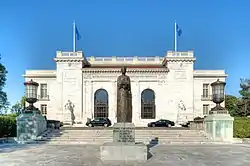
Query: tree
231	104
3	96
19	106
245	96
16	108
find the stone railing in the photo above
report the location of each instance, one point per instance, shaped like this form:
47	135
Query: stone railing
60	54
43	98
125	59
183	54
206	97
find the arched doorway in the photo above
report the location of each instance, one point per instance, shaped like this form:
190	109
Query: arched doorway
101	104
148	104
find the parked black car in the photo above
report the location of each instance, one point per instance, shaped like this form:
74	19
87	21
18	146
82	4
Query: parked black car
161	123
99	122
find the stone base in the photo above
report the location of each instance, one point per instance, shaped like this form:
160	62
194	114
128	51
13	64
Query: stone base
30	126
219	127
124	132
115	151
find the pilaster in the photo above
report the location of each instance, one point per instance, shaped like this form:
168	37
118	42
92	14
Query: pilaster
113	103
84	97
89	100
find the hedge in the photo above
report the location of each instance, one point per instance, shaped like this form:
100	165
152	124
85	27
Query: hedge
7	126
242	127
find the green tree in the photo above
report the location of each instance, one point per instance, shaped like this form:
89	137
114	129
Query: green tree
232	105
3	96
19	106
245	96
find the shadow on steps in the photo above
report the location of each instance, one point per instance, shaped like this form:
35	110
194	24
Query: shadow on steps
151	144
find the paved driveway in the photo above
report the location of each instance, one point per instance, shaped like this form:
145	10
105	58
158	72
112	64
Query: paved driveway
88	155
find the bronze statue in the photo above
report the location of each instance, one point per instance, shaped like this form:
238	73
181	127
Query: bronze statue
124	98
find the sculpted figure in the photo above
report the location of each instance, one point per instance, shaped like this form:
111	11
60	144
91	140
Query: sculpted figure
70	106
124	98
181	110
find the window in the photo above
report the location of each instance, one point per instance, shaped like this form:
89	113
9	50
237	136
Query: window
101	104
44	91
43	109
148	104
205	90
205	109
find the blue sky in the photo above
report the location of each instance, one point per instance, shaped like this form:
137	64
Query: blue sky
32	31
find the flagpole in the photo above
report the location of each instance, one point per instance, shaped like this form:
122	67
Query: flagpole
175	37
74	36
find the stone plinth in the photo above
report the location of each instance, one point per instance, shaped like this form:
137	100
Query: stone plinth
219	127
123	147
30	126
118	151
124	132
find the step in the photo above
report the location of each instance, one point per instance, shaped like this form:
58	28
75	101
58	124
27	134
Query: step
145	136
138	132
189	138
136	136
111	130
135	133
111	140
139	137
168	131
160	142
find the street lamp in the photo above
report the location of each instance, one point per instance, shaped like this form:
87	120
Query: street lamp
218	96
31	94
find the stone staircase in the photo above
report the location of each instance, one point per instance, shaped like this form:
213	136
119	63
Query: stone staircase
100	136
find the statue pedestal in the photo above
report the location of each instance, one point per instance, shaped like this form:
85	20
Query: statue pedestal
123	148
30	126
219	127
124	132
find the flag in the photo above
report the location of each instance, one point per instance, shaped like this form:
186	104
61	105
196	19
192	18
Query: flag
178	30
78	36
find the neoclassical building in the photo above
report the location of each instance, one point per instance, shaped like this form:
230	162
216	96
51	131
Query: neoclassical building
165	87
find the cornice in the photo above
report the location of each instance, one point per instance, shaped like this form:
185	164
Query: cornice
39	76
68	59
129	70
211	76
180	59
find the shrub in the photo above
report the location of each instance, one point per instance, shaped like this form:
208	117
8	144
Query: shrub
242	127
7	126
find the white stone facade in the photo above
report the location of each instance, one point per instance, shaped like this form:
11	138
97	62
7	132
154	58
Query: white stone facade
172	78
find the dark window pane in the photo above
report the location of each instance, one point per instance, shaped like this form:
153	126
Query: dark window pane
101	107
148	104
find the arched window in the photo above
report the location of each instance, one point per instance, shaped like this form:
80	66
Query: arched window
148	104
101	104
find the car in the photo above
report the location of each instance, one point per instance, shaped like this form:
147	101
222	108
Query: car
99	122
161	123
